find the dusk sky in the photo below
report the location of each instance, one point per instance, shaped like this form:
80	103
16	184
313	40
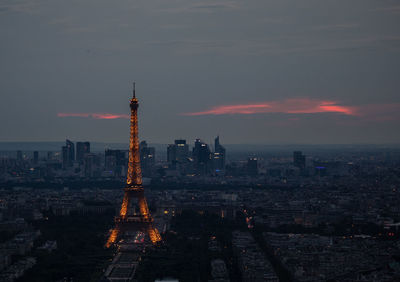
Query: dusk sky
254	72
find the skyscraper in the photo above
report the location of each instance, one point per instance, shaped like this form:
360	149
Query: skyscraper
171	153
82	148
178	152
252	166
219	156
202	157
182	150
89	165
68	154
147	158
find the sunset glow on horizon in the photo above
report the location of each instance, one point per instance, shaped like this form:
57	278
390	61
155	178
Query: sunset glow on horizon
94	115
292	106
289	106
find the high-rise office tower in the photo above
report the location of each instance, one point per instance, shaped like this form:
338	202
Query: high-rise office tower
68	154
182	150
89	164
147	159
178	152
82	148
134	217
202	157
171	153
219	156
252	166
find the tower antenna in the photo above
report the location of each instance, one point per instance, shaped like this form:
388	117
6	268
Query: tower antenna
134	89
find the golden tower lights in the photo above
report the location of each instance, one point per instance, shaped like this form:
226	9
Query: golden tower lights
134	188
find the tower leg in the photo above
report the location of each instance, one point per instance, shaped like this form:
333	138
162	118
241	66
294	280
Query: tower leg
144	209
113	237
125	204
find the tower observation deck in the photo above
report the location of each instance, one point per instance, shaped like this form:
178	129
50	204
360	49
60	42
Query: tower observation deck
134	214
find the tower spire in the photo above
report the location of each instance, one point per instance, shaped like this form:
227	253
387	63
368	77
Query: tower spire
134	175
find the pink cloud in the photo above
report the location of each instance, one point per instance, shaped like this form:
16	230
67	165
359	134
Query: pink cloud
289	106
109	116
338	109
94	115
233	109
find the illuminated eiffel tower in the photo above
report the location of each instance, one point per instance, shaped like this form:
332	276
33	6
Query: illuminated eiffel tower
131	219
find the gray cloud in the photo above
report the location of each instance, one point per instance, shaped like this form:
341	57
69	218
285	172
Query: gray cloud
336	27
81	56
395	9
19	6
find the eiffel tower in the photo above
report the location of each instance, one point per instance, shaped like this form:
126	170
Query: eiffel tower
134	214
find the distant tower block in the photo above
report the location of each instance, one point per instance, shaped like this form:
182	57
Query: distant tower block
134	214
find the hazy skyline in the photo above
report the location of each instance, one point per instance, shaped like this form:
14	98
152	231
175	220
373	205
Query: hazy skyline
250	71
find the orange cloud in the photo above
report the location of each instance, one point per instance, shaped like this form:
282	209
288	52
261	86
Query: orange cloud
233	109
108	116
290	106
94	115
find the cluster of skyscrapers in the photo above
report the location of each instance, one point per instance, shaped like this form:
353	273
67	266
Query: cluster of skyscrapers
68	152
182	160
200	161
